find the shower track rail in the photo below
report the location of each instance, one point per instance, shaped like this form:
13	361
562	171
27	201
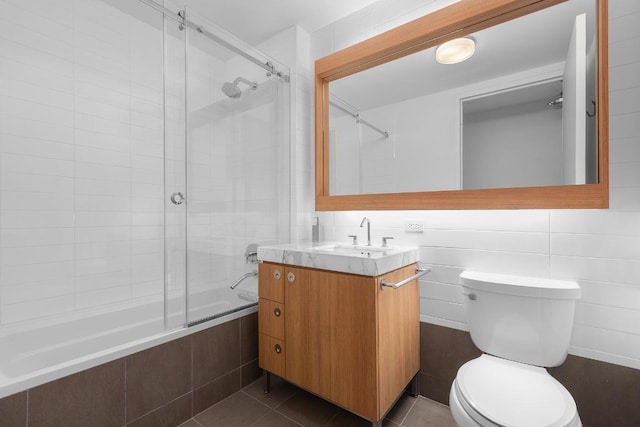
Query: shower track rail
357	116
180	19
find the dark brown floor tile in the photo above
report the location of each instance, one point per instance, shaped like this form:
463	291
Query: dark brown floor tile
426	413
401	408
13	410
94	397
250	372
605	394
157	376
443	350
273	419
169	415
347	419
215	391
216	352
280	391
248	338
190	423
435	388
238	410
307	409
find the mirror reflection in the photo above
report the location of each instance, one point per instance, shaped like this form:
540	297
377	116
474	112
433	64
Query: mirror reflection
519	112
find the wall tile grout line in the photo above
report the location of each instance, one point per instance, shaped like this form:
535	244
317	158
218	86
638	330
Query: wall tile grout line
193	403
26	415
126	359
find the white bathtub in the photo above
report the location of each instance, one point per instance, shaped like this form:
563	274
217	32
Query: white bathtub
34	357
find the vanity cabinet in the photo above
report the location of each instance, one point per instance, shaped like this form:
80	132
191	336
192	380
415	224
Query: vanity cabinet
342	336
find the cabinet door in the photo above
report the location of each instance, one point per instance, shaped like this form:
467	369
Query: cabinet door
271	281
307	329
398	335
352	308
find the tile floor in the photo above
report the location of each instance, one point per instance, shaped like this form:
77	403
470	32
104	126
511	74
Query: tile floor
288	406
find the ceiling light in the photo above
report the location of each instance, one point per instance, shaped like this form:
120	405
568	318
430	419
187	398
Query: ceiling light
456	50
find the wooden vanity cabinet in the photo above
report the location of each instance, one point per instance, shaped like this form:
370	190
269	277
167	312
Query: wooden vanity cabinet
347	339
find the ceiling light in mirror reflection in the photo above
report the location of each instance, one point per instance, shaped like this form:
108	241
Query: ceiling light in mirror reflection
455	51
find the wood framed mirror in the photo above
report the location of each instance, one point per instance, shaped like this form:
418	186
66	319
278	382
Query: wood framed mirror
441	169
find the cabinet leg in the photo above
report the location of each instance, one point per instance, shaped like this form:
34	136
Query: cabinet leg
266	378
376	423
414	385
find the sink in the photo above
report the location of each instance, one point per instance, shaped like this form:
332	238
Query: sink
353	250
342	257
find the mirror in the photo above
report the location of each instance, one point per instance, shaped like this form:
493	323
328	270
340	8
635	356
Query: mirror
520	124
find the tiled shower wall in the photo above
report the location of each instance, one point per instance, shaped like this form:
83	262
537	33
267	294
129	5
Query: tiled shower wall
83	144
598	248
81	156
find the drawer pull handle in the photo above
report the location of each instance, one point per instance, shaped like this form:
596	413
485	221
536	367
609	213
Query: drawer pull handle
291	277
278	348
276	311
276	274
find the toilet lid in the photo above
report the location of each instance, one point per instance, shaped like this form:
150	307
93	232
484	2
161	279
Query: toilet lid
509	393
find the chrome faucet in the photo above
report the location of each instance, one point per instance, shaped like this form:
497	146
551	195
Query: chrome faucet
368	221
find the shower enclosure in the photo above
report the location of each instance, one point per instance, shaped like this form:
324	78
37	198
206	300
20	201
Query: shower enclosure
142	150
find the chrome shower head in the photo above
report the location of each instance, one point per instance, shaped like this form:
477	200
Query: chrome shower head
233	91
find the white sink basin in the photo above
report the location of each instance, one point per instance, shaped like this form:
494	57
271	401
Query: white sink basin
343	257
353	250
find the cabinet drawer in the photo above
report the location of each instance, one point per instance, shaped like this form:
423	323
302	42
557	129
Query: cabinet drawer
271	318
272	354
271	281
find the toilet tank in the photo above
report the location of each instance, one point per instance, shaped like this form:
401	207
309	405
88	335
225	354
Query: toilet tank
525	319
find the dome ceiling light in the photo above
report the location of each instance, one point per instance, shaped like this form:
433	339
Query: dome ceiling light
456	50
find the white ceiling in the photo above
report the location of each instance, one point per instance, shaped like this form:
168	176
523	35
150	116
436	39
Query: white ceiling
256	20
536	40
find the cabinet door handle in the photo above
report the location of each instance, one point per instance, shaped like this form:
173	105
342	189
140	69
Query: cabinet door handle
276	274
278	348
276	311
419	273
291	277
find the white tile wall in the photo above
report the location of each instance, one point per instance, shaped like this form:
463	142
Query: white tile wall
598	248
81	146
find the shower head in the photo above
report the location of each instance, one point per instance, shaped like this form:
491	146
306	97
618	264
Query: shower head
233	91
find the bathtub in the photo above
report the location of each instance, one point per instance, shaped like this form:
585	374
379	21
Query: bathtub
33	357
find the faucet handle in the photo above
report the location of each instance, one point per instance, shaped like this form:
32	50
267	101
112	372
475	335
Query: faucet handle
355	239
384	241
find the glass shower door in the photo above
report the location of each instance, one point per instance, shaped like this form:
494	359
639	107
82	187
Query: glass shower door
237	170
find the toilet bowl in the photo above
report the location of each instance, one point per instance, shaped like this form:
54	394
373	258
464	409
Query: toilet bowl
523	325
489	391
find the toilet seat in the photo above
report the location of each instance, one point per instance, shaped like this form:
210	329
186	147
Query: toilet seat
499	392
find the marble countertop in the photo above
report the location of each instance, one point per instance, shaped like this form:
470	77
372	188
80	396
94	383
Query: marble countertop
342	257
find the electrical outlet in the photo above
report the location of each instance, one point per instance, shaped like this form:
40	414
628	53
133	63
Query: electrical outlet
414	227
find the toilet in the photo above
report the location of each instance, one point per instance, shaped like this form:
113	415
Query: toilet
522	325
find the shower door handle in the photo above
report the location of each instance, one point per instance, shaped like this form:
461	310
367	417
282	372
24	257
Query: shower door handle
177	198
